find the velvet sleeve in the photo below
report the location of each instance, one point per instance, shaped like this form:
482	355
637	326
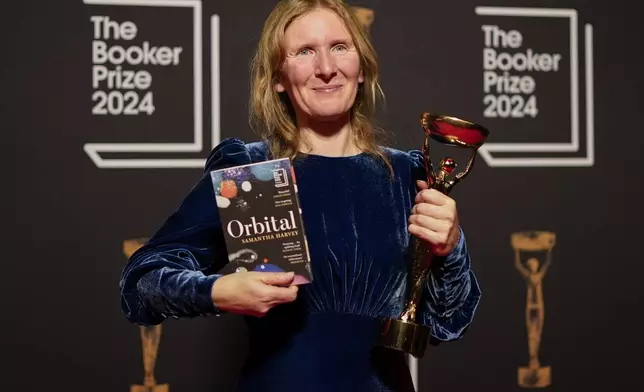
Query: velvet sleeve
451	293
173	273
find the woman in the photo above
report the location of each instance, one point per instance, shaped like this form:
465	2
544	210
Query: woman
314	88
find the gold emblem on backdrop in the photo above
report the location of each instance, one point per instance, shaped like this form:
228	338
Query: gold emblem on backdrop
364	15
533	254
150	338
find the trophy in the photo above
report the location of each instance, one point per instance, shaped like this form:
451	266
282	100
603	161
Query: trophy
150	338
531	244
405	333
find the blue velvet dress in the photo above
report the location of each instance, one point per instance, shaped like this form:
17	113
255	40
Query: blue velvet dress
355	217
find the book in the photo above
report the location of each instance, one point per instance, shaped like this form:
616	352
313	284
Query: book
261	219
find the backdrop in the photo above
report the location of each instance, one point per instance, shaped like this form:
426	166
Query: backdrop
106	102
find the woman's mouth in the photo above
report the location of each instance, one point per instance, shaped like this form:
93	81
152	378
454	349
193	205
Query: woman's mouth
328	89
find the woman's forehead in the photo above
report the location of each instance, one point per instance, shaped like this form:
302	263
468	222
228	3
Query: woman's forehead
317	26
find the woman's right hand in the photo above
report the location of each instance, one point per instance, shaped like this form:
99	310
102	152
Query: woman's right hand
253	293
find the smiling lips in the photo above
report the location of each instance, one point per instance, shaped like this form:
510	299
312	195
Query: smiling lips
328	89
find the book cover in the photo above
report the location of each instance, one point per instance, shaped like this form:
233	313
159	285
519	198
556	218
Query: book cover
261	219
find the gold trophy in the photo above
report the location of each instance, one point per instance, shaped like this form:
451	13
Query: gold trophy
405	333
533	243
150	338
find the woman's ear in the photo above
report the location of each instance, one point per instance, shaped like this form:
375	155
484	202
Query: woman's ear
361	77
279	87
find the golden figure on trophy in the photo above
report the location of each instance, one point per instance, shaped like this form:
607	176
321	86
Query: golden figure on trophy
405	333
150	338
533	243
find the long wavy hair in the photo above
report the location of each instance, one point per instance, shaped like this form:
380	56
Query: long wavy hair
272	113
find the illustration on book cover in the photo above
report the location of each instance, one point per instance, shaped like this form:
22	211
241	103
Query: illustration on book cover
261	219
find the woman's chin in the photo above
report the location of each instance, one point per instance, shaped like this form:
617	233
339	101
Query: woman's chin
326	115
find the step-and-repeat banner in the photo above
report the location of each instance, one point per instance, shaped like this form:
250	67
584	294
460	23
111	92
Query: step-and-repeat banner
115	104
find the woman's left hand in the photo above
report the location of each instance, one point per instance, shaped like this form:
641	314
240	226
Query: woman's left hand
435	220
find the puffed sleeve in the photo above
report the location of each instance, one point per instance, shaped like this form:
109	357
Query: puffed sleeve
173	273
451	292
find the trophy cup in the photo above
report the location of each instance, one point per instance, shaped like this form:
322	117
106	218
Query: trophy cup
150	338
405	333
531	244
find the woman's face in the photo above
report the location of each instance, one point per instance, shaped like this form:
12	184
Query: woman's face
321	72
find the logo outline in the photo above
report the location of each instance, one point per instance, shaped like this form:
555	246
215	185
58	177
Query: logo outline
589	160
93	150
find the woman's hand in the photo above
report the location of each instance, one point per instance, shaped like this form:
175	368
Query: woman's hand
434	218
253	293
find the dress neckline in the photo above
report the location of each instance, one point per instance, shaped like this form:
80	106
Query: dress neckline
301	155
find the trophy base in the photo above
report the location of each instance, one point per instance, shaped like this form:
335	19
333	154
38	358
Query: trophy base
404	336
534	377
151	388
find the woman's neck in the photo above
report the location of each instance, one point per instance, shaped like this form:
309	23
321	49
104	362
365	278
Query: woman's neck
332	138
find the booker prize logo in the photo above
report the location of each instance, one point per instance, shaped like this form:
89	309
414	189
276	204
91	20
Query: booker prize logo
532	83
150	338
147	82
532	257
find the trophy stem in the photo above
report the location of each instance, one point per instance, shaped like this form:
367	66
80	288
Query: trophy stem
420	267
405	333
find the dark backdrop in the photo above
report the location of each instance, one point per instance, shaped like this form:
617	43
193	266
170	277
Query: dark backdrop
75	194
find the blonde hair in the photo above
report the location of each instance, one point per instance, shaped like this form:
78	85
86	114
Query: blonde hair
273	113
